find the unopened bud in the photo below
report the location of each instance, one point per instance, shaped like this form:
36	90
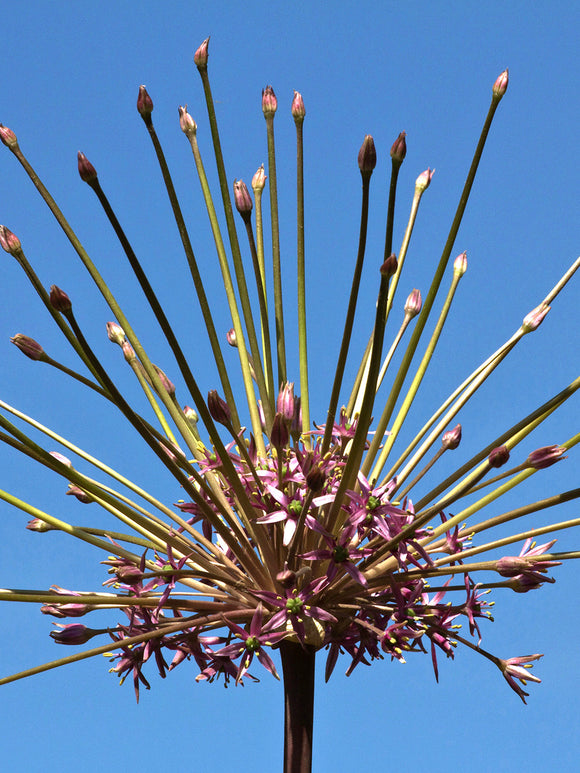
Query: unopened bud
218	408
188	125
59	300
269	102
389	267
128	351
9	241
285	401
315	480
424	180
460	264
144	104
280	435
115	333
201	55
8	137
298	109
168	385
37	524
243	200
399	149
534	319
259	179
367	156
87	171
498	457
231	338
413	304
500	85
190	415
28	346
545	457
452	438
61	458
75	633
82	496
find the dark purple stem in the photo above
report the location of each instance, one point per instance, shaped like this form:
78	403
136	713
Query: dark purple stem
298	672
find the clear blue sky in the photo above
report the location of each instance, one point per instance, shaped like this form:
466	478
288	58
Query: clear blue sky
70	74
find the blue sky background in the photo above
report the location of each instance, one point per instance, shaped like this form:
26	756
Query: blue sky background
70	77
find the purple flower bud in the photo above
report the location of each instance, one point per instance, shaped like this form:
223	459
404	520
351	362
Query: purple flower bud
82	496
545	457
9	241
452	438
59	300
285	401
298	109
316	479
413	304
8	137
243	200
460	264
66	610
128	574
269	102
501	84
367	155
280	435
218	408
231	338
188	125
87	171
399	148
115	333
424	180
144	104
259	179
168	385
200	56
29	347
389	267
128	351
40	526
534	319
75	633
61	458
498	457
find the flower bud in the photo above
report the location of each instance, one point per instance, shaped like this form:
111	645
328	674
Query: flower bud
280	435
259	179
40	526
498	457
243	200
190	415
413	304
9	241
128	351
399	149
59	300
315	480
269	102
75	633
201	55
8	137
424	180
452	438
144	104
231	338
188	125
66	610
218	408
500	85
534	319
29	347
87	171
168	385
75	491
115	333
298	109
460	264
61	458
545	457
389	267
285	401
367	155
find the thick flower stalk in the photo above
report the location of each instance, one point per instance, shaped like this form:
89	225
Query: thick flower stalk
289	536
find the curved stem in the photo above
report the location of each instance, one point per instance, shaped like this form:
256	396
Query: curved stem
298	671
